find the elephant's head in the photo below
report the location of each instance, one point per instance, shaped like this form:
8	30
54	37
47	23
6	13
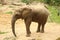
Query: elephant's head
19	14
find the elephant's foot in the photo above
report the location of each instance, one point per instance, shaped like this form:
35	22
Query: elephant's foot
38	31
28	35
42	31
29	32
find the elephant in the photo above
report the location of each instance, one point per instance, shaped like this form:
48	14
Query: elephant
30	15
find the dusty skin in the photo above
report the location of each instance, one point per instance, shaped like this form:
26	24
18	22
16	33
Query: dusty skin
52	30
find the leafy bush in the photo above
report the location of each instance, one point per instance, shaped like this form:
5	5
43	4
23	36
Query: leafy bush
30	1
54	17
50	2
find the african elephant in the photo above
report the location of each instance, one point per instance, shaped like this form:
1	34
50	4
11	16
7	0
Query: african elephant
29	15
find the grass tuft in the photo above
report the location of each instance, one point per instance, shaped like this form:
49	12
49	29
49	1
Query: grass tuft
9	12
2	32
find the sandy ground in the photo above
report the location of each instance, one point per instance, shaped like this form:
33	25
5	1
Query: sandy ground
52	30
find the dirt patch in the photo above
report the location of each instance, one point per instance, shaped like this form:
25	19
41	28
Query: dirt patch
52	30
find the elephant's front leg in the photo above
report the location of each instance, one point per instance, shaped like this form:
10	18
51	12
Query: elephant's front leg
28	22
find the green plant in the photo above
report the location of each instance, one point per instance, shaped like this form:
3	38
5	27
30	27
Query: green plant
9	12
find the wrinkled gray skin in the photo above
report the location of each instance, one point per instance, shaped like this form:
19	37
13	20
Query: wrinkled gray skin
29	16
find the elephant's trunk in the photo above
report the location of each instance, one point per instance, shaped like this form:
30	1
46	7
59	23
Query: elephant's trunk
13	25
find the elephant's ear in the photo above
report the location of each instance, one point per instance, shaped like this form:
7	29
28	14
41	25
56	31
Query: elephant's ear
26	12
26	9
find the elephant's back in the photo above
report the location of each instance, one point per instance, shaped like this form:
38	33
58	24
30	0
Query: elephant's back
39	9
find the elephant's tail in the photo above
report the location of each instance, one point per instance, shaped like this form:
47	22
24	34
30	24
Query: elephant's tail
13	25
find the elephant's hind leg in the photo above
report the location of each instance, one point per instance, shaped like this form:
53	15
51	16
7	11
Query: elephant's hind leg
38	29
42	30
